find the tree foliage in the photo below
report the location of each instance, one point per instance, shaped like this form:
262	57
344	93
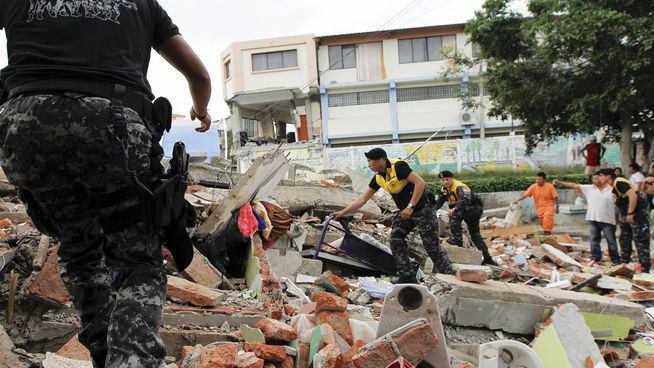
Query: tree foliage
570	66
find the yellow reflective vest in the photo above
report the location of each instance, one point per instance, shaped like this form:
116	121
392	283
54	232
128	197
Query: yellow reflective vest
451	192
389	182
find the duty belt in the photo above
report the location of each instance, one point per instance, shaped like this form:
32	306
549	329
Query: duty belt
136	101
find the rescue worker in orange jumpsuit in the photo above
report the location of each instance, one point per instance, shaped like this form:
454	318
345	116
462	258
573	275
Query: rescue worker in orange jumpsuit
546	200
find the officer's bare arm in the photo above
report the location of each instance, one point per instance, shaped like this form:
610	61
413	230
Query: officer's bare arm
566	184
358	203
419	186
180	55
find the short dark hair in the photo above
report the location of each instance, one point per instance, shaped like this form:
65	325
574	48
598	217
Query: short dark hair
542	175
445	174
634	166
608	172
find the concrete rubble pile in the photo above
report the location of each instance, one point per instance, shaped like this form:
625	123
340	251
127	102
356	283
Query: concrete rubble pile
281	292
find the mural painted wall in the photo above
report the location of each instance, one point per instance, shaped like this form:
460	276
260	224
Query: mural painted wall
454	155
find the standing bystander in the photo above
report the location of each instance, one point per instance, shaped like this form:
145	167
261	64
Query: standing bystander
635	176
593	153
546	201
600	215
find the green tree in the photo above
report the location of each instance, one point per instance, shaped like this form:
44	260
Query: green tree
570	66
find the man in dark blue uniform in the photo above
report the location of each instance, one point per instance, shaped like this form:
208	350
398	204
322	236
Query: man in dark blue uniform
77	131
416	210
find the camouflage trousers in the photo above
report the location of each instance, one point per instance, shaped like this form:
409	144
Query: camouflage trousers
427	223
59	150
638	233
471	216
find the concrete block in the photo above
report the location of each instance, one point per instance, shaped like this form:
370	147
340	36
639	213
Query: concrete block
185	291
406	303
175	339
566	341
463	255
359	297
644	279
494	355
449	291
252	335
286	265
53	360
614	283
310	267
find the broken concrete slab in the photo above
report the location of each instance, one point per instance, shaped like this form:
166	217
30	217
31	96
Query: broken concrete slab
566	341
252	335
559	257
182	290
175	338
53	360
302	198
618	325
286	265
203	320
644	279
614	283
527	300
463	255
262	176
511	317
7	357
406	303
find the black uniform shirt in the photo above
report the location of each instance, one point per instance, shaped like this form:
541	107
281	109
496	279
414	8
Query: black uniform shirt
107	40
401	199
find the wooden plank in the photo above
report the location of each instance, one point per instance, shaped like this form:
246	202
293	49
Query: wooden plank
526	229
41	252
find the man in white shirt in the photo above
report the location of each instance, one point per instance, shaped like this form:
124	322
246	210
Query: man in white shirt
636	176
600	216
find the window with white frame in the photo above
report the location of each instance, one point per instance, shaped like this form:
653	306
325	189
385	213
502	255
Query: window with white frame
342	56
416	50
274	60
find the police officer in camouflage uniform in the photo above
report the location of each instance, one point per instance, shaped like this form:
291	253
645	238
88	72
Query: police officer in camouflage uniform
633	218
76	132
408	191
465	205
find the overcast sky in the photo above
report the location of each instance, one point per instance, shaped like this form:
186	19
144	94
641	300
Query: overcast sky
210	26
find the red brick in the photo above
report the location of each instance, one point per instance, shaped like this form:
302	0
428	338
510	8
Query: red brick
645	362
189	292
415	343
380	356
327	357
287	363
340	322
218	356
248	360
48	284
341	285
471	275
303	355
329	302
506	274
346	358
274	330
185	350
275	353
289	310
74	349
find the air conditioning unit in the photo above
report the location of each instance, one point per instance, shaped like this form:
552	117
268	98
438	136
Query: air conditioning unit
467	117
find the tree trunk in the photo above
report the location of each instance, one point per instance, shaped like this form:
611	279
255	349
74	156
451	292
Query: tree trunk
649	158
626	142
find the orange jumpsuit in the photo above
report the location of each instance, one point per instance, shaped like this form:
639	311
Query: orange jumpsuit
544	199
